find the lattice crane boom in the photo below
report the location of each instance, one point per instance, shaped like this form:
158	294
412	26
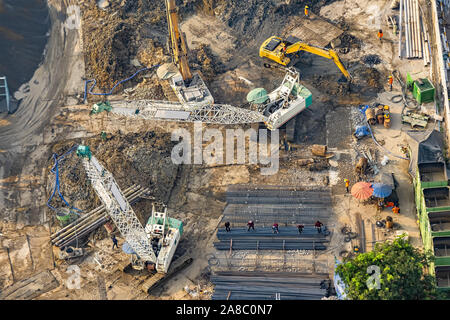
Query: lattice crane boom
117	206
175	111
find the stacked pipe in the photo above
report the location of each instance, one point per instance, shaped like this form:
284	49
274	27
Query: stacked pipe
288	238
416	43
268	286
92	220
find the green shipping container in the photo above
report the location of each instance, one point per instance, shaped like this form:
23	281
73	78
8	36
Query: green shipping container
423	91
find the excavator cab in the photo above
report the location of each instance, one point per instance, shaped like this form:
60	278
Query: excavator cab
273	49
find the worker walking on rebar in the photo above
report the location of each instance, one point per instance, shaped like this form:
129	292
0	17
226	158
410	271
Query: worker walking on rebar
114	240
347	184
318	226
300	228
250	225
227	226
306	11
275	228
380	34
390	81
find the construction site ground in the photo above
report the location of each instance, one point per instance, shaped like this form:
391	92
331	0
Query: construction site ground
224	46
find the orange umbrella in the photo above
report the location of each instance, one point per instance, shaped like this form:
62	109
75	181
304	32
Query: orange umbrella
362	190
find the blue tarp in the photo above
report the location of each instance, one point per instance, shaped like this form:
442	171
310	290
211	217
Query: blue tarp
381	190
339	285
362	131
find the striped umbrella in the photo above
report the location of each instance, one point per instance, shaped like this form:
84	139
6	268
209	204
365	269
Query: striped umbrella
381	190
362	190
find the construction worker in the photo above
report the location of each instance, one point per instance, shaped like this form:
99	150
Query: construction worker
251	225
306	11
347	184
275	228
227	226
390	81
380	205
396	209
318	226
389	222
300	228
380	34
114	240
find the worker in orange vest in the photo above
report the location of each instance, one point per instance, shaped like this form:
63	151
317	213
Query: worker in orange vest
391	81
396	209
306	11
347	184
380	34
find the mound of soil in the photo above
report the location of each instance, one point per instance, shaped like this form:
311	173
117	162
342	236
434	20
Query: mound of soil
132	159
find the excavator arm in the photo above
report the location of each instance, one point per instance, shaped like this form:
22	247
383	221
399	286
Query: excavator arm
326	53
177	41
278	50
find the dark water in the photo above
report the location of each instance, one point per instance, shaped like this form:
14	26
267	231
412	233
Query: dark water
24	27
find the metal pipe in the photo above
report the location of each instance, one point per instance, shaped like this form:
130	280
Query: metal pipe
419	31
103	216
131	194
400	30
413	30
81	235
407	35
134	186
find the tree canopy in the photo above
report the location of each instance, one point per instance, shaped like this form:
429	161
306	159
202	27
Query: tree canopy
392	271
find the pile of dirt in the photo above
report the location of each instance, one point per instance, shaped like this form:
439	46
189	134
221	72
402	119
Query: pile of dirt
368	76
330	86
143	159
257	20
348	42
113	37
203	59
371	59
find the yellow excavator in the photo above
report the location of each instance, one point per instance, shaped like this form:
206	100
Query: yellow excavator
188	86
178	41
284	51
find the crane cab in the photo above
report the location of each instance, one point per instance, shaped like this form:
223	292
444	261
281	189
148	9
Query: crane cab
164	234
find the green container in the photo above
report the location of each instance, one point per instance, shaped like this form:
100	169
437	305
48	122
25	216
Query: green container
305	93
423	91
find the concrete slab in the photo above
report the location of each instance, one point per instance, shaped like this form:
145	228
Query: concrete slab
313	30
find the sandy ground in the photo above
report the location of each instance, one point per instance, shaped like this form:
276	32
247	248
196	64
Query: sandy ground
197	196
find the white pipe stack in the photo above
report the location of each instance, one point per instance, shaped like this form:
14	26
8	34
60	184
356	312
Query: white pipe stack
400	30
407	39
426	45
414	36
419	31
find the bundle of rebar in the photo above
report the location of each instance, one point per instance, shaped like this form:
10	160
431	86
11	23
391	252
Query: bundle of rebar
266	205
287	238
91	221
268	286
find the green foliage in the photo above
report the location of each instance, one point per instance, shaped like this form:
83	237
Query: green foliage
402	275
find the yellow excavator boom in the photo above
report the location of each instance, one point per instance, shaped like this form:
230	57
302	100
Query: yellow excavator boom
276	49
177	40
